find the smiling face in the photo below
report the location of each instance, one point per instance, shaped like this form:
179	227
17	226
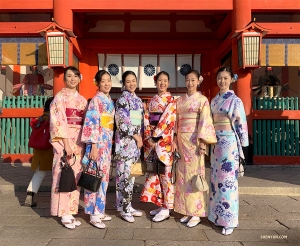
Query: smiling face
191	82
130	83
71	80
162	83
224	80
105	84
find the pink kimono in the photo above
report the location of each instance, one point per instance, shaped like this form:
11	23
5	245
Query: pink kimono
66	118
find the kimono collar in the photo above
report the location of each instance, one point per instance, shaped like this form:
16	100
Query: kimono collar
129	94
67	91
226	94
100	93
196	93
166	94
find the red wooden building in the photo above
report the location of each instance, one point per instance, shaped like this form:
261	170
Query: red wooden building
147	36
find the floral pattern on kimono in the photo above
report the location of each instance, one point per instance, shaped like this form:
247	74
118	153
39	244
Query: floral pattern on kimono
194	122
126	150
158	189
65	203
225	154
98	129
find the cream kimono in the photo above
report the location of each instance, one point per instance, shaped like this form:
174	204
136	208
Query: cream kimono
194	122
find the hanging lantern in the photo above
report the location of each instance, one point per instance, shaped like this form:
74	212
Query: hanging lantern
249	45
57	42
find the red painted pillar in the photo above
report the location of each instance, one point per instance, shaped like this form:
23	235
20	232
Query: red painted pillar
88	66
240	18
63	16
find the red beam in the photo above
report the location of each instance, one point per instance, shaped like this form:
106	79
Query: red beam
276	114
283	28
21	28
28	5
154	5
276	160
21	112
155	46
280	5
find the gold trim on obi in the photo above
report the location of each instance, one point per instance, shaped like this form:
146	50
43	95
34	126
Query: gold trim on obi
107	121
136	117
188	122
222	122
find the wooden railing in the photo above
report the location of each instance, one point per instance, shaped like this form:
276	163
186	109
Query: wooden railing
276	130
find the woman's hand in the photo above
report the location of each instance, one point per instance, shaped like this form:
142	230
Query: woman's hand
94	152
138	140
67	147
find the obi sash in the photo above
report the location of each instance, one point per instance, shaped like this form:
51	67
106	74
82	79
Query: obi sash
74	116
188	122
107	121
221	119
136	117
154	118
221	122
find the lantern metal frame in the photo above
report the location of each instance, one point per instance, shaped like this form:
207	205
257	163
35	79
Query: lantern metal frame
57	43
249	41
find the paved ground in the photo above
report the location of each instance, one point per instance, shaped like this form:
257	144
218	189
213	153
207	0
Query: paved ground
264	219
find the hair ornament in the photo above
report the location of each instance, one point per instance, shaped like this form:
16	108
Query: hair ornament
235	77
154	77
201	79
121	82
95	82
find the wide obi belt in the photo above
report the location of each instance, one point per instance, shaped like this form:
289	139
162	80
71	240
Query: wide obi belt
188	122
74	116
107	121
154	118
222	122
136	117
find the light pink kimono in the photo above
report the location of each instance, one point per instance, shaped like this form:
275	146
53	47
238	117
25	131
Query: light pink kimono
66	122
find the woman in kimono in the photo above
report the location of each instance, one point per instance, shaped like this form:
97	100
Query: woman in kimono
195	132
159	122
128	142
97	133
66	119
232	133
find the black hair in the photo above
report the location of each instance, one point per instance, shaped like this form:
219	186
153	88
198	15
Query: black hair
47	104
162	73
125	74
99	75
73	69
194	72
226	69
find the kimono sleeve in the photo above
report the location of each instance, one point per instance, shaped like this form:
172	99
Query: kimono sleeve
206	130
91	126
58	119
240	122
122	118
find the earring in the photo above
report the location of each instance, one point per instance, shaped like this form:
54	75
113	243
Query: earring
198	85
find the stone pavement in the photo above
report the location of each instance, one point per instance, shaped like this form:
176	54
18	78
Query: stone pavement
265	219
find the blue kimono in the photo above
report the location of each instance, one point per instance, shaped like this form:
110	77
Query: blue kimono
227	110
